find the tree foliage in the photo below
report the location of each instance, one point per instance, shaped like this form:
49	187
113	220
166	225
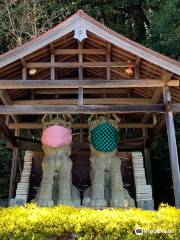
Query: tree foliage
164	32
5	166
155	23
26	19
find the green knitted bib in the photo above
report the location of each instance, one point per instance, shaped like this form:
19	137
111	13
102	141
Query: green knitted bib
104	137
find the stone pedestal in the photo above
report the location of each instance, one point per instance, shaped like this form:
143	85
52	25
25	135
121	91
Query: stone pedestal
23	186
143	191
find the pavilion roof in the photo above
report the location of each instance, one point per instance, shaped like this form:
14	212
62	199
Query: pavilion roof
150	64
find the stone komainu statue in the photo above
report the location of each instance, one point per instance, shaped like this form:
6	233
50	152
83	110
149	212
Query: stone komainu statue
56	185
107	186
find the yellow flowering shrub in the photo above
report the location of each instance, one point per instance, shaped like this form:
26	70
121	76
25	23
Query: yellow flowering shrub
65	222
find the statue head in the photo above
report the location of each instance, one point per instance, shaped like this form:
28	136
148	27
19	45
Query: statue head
64	120
57	130
103	118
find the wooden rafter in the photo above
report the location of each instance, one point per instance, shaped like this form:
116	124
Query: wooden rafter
35	145
85	109
108	59
157	94
4	96
101	51
86	91
24	68
7	133
87	101
78	64
31	125
92	83
80	73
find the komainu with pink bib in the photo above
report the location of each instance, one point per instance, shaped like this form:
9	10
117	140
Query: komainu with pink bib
56	185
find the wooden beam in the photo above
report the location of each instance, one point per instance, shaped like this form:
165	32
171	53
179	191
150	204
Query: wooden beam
31	125
80	72
108	59
86	91
81	146
77	64
7	134
52	68
172	147
147	159
136	74
16	163
13	173
101	51
156	130
44	84
165	77
80	97
24	69
51	47
23	62
176	107
34	145
24	73
87	101
85	109
155	98
4	96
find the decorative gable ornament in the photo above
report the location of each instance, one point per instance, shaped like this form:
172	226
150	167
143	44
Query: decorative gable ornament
80	33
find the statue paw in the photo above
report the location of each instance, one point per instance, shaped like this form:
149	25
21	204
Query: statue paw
119	203
86	201
98	203
45	202
65	202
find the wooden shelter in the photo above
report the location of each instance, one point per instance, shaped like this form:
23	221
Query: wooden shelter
103	73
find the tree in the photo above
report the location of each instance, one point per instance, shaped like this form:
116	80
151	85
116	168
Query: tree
164	32
22	20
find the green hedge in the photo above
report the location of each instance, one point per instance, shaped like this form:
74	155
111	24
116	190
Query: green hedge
64	222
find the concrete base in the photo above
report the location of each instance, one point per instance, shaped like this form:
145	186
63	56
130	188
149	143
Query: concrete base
146	204
16	202
45	202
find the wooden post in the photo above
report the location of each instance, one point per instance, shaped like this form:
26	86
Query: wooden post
52	68
5	98
17	133
80	71
7	133
13	173
147	160
52	62
24	69
80	96
24	73
136	74
15	162
172	146
108	59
